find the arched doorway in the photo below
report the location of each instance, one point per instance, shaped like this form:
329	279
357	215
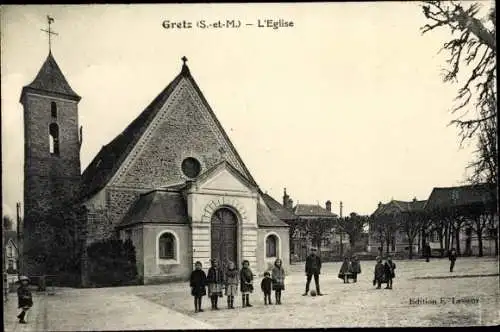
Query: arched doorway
224	234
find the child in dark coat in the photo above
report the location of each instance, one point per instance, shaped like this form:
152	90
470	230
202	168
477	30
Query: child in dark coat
215	281
389	267
345	270
198	283
278	276
24	298
379	273
266	286
246	285
356	268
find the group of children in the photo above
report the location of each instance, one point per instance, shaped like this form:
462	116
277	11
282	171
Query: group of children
218	280
350	269
384	273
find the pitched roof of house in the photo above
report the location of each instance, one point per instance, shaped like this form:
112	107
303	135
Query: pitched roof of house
462	196
50	79
157	206
265	218
278	209
312	210
111	156
401	206
10	235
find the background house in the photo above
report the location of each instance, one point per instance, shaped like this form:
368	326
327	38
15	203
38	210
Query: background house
459	214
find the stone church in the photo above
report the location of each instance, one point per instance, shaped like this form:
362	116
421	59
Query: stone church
172	181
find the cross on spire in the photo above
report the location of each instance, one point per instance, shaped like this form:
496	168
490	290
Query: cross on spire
49	32
184	60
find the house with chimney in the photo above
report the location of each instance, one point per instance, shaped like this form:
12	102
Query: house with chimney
300	214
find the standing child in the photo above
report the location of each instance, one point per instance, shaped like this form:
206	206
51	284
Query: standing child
266	286
246	286
379	273
389	267
278	276
356	268
198	282
452	258
24	299
345	270
215	281
231	280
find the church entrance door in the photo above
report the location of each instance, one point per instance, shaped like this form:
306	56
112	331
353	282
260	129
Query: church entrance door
224	233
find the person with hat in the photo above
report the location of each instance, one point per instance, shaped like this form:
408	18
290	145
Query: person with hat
24	298
313	269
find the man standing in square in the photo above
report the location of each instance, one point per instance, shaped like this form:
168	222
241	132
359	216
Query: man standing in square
313	268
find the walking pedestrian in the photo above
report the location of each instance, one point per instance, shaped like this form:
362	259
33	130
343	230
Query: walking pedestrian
246	283
231	281
266	287
427	252
452	257
356	268
198	282
24	298
215	281
278	276
313	269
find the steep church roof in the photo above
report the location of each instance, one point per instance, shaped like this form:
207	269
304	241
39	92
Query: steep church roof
111	156
51	80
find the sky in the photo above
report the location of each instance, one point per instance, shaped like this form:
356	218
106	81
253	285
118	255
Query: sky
347	105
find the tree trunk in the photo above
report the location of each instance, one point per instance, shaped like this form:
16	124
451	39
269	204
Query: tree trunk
441	242
457	240
410	243
480	243
496	242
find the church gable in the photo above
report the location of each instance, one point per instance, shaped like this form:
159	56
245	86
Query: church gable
178	126
225	178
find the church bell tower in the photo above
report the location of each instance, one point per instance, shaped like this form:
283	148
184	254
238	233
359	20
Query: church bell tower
51	146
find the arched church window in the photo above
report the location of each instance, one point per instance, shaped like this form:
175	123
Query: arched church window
272	246
54	139
53	110
167	246
191	167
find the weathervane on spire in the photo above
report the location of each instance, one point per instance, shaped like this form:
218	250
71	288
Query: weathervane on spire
50	20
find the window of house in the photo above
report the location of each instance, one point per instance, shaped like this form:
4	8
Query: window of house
53	110
272	246
128	234
54	139
167	246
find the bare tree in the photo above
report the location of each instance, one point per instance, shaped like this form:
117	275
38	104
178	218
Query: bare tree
353	226
319	229
473	48
411	224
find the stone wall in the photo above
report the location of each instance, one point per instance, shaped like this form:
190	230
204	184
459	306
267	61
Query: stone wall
266	263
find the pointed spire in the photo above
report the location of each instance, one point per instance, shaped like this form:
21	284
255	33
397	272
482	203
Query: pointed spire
51	80
185	68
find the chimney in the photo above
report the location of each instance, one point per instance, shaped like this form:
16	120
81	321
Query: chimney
328	206
379	204
285	198
414	199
